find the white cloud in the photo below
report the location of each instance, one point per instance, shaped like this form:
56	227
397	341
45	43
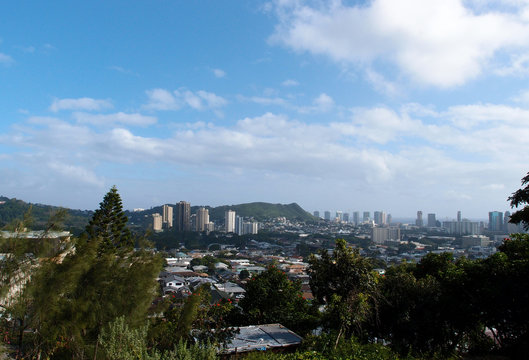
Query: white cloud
437	42
117	118
382	85
263	100
324	102
380	151
84	103
290	82
27	49
160	99
6	59
522	97
219	73
76	173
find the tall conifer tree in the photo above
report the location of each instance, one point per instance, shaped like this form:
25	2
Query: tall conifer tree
109	223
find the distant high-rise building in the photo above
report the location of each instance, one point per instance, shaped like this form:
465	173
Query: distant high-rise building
157	222
316	214
459	216
239	225
167	216
463	227
381	234
380	217
251	227
431	220
183	216
389	218
346	217
419	222
367	216
377	217
202	219
327	215
510	228
495	221
339	216
229	221
356	217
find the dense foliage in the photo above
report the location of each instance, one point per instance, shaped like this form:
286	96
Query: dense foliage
70	292
272	298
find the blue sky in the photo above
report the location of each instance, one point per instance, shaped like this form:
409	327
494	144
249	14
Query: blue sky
381	105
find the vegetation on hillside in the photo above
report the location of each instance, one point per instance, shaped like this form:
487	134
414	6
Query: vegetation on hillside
13	209
262	211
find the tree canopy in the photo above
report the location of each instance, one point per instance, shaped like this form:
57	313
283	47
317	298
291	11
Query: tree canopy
272	298
521	197
74	291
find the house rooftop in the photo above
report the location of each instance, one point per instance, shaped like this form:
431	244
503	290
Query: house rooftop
262	337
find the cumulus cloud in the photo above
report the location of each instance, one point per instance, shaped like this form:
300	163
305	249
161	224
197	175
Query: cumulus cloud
6	59
264	100
219	73
412	147
324	102
76	173
117	118
84	103
381	84
290	82
161	99
441	43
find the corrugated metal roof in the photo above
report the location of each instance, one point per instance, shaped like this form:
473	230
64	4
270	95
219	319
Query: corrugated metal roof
262	337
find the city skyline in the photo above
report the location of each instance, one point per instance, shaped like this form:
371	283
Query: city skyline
340	106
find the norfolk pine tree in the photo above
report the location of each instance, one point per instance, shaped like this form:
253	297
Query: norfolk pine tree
103	279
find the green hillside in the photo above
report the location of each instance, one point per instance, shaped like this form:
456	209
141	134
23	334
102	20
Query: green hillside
13	209
261	211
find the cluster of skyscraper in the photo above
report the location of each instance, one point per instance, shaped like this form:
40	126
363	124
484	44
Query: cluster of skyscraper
498	222
379	218
236	224
185	221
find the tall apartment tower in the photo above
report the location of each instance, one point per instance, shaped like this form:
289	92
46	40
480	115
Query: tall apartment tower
377	216
366	216
339	216
229	221
156	222
459	216
316	214
419	222
167	216
202	219
183	216
431	220
327	215
495	221
346	217
239	225
356	217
